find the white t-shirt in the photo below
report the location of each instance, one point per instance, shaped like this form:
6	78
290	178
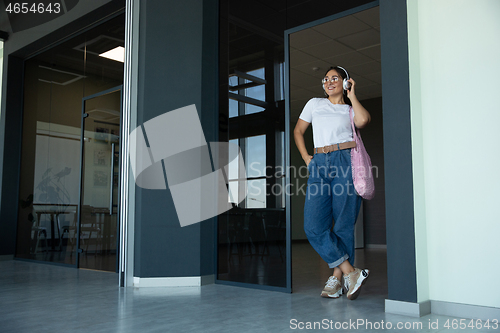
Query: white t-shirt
331	123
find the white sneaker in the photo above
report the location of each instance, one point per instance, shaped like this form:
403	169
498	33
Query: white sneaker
333	288
353	282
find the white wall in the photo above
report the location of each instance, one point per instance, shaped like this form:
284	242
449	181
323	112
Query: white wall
454	88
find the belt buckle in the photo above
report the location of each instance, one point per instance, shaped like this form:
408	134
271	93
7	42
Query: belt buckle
327	148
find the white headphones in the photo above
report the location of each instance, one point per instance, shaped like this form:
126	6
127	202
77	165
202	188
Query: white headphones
345	84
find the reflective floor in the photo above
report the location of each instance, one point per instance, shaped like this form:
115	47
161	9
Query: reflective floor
46	298
261	263
98	260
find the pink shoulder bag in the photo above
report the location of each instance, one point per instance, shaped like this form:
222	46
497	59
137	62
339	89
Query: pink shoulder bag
361	164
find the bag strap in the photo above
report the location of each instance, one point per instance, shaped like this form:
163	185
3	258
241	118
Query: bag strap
355	132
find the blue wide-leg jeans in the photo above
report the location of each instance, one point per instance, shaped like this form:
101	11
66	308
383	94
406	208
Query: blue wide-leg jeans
331	199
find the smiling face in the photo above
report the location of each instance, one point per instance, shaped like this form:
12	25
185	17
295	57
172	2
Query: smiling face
332	83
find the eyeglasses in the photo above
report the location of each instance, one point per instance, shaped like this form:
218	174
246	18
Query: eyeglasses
333	79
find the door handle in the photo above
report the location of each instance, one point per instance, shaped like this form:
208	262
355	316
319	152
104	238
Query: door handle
111	179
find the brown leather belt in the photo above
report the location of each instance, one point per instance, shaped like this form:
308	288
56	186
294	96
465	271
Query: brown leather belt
338	146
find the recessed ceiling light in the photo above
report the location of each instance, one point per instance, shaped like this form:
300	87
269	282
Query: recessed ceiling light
117	54
315	69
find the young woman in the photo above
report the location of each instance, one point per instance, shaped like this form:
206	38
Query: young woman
331	198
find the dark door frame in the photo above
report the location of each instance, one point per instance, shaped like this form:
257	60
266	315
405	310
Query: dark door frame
80	187
400	223
287	107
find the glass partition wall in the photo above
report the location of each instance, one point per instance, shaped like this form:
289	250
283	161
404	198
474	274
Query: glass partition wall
252	235
56	82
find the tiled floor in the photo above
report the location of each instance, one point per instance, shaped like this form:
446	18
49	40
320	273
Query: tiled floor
45	298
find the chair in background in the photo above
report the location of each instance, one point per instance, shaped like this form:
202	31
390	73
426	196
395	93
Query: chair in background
36	231
89	223
71	230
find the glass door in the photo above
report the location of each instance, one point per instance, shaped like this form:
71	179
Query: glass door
98	223
253	247
55	81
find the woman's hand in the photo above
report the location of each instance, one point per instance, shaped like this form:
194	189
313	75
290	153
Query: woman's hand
307	159
351	94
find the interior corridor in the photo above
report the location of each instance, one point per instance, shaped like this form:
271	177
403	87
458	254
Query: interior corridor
48	298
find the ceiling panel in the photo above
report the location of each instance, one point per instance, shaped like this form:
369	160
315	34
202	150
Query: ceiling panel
362	96
304	94
372	52
370	16
328	49
375	77
361	39
303	80
299	58
362	81
341	27
369	90
365	69
294	87
316	68
348	60
306	38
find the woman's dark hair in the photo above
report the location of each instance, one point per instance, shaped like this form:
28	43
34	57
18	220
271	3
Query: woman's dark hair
343	75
